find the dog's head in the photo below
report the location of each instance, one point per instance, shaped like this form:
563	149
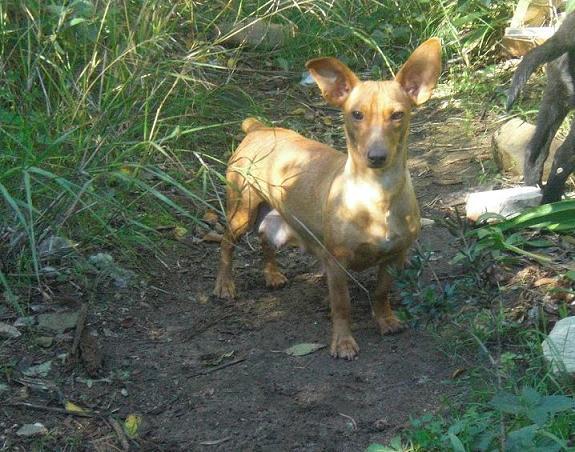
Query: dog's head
377	114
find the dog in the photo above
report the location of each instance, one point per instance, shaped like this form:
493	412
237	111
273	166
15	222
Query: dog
351	211
558	99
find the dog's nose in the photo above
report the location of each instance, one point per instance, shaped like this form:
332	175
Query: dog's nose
376	157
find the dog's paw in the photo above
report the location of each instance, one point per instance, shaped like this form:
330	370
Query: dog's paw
225	288
344	346
390	325
275	280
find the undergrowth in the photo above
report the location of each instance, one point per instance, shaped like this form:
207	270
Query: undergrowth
115	116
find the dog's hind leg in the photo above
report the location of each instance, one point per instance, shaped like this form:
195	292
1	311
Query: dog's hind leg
563	166
242	208
551	114
272	274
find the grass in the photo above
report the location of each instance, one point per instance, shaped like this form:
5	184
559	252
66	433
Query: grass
116	117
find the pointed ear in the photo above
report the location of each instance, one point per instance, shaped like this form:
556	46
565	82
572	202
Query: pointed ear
420	72
334	79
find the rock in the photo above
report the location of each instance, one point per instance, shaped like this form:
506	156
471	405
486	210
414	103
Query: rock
9	331
44	341
28	430
55	247
425	222
559	347
255	34
41	370
104	262
25	321
58	321
509	144
307	79
506	202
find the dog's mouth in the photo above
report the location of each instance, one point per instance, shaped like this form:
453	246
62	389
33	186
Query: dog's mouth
375	165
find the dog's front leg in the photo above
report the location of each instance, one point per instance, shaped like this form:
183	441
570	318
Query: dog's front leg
343	344
386	319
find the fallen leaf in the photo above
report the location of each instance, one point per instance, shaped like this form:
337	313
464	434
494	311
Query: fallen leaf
180	232
71	407
212	236
131	425
300	111
127	322
210	217
304	348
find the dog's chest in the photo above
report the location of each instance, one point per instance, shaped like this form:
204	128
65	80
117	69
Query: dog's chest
375	227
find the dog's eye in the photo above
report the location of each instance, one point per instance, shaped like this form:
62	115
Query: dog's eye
357	115
397	115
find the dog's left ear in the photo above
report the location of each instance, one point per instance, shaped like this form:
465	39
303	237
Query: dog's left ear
334	79
420	72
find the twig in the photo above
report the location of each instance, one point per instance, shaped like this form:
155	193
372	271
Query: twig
55	409
119	433
352	420
223	366
73	357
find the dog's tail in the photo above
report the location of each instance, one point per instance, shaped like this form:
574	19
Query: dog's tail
561	42
251	124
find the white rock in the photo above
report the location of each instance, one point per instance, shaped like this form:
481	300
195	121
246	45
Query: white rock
35	429
506	202
559	347
8	331
427	222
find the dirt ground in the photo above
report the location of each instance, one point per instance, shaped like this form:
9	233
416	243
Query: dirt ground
205	374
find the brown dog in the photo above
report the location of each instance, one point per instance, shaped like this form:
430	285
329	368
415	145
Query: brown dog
351	211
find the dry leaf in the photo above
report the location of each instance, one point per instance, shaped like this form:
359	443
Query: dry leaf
210	217
212	236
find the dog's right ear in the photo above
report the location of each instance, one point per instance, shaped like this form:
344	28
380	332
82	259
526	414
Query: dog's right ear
334	79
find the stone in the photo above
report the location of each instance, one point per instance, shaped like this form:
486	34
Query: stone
36	429
559	346
58	321
8	331
44	341
41	370
506	202
509	143
255	34
25	321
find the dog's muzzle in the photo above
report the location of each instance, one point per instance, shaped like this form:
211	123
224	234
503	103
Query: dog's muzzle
376	157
